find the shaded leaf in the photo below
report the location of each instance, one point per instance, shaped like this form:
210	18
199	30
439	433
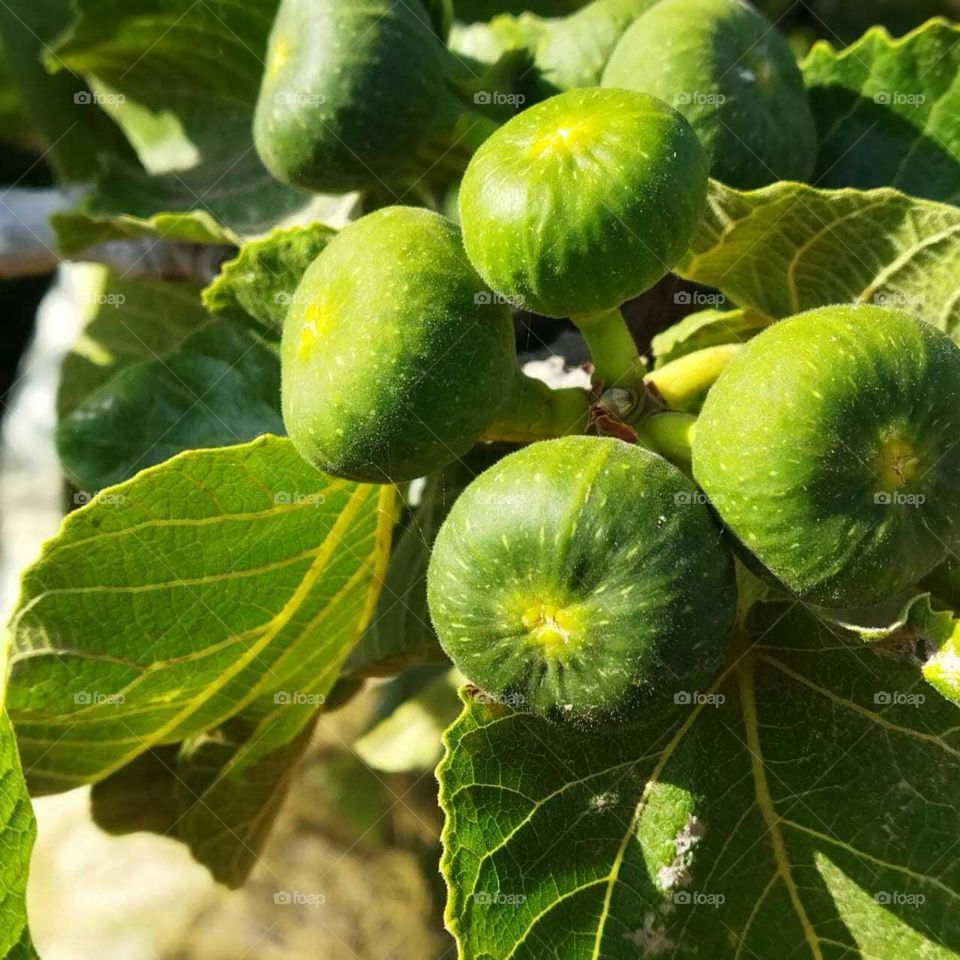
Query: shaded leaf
227	577
888	111
263	278
129	320
221	387
184	77
61	108
796	808
790	247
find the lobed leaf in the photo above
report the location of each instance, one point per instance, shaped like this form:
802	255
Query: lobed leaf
799	807
229	578
888	111
791	247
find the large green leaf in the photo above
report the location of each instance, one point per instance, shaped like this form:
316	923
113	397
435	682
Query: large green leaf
790	247
128	321
17	832
192	594
183	78
888	111
801	807
221	388
64	113
262	280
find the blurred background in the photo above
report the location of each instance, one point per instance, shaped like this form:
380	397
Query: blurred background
351	870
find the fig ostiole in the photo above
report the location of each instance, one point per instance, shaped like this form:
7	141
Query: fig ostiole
828	448
396	359
580	577
725	67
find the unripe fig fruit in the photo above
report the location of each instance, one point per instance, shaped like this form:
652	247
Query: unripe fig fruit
829	447
394	358
351	93
583	201
579	576
725	67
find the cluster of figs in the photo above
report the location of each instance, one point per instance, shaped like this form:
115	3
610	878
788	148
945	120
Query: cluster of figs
585	574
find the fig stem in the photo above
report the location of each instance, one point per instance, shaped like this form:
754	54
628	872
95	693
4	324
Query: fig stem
670	434
683	382
613	351
540	412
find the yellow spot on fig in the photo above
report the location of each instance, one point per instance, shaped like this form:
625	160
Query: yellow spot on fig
317	319
564	137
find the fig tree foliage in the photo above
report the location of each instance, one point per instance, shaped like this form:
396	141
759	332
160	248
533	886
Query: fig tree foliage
700	597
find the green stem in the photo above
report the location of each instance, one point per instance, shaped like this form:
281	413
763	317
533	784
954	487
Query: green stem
613	351
684	382
670	434
539	412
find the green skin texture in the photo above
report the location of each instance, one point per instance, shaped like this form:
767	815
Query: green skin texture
791	450
583	201
390	369
351	93
701	50
611	534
